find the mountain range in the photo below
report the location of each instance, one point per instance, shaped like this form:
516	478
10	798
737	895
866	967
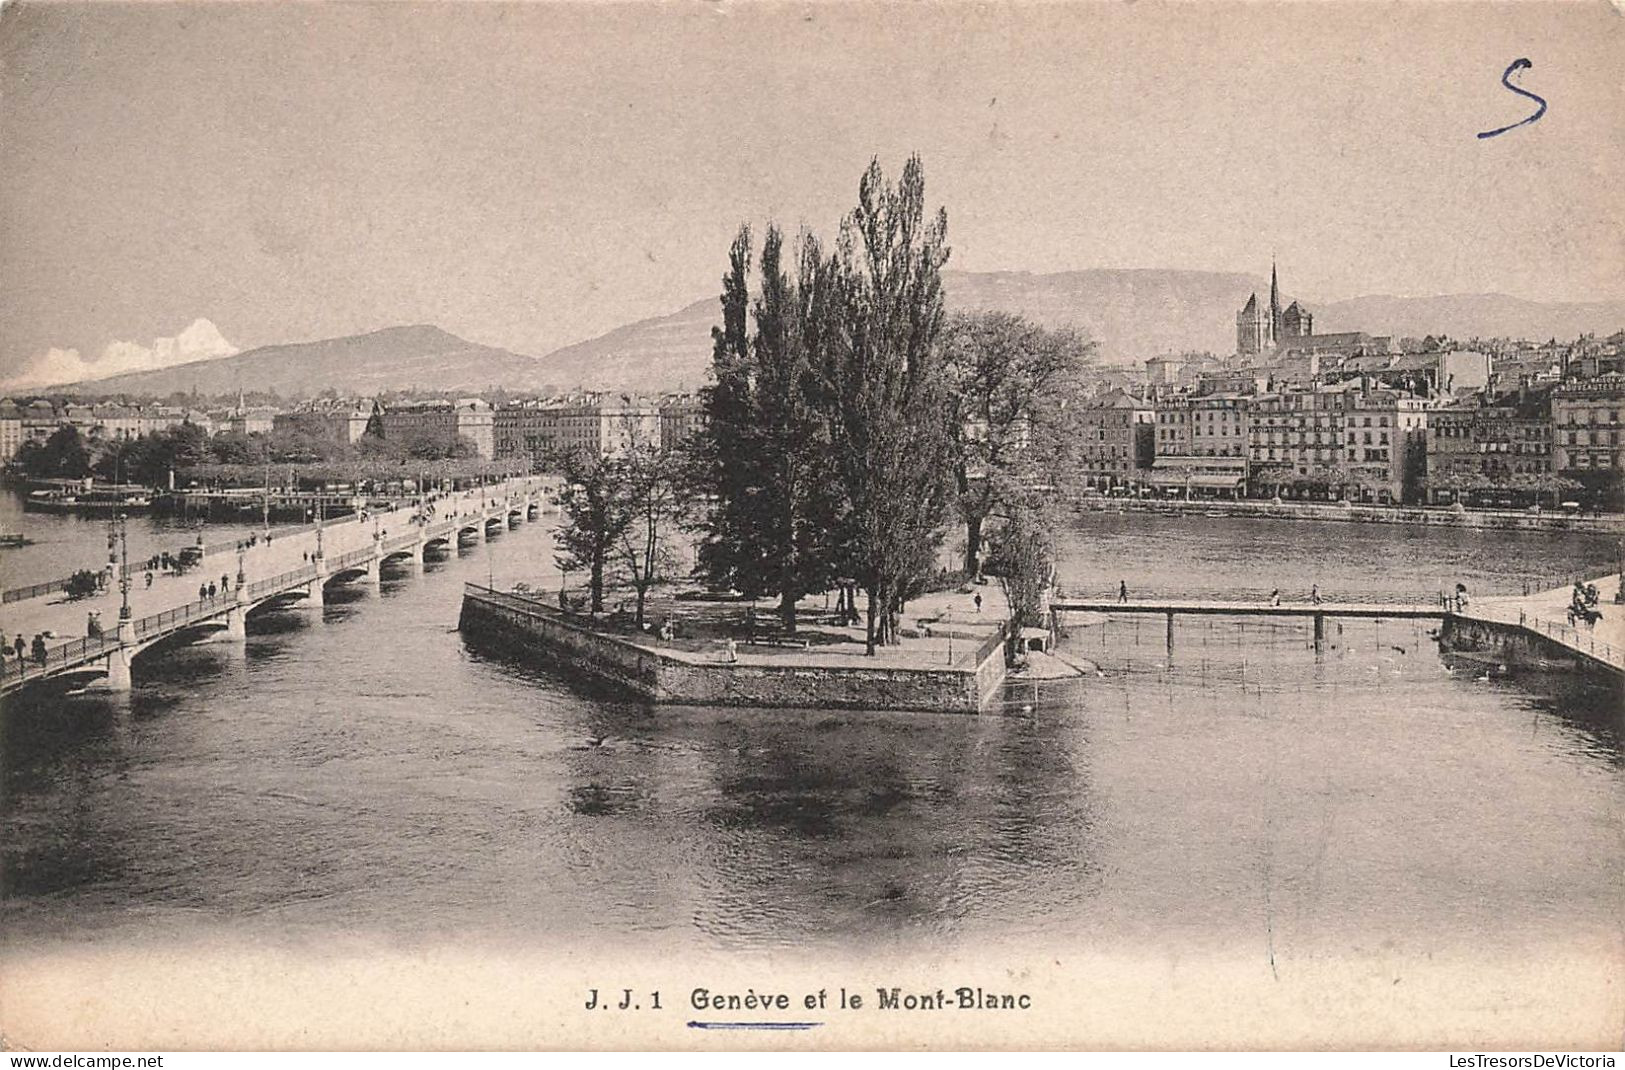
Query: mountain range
1132	314
390	359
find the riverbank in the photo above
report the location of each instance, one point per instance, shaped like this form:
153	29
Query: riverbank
1349	512
954	664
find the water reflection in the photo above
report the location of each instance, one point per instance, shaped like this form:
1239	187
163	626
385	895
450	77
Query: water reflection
362	768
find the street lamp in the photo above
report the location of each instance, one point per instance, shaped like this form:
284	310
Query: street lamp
124	570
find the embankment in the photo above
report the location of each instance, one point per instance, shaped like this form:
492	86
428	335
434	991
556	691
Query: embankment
811	679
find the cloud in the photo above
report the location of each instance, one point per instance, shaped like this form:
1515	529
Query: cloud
201	341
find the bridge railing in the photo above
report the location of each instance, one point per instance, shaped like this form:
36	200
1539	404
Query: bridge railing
354	557
158	623
1574	638
34	590
260	588
61	656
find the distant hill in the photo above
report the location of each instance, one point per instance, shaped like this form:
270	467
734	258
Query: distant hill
396	358
1132	314
652	355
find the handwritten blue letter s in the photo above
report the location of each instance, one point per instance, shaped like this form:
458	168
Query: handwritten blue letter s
1506	80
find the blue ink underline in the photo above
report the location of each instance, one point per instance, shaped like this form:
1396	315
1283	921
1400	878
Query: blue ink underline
754	1025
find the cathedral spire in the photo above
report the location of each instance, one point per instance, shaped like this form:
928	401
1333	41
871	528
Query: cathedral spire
1275	304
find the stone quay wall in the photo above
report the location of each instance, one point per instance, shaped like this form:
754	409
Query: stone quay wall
1517	645
1431	516
683	678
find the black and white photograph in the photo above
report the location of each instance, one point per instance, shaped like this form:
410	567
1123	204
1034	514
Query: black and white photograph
719	525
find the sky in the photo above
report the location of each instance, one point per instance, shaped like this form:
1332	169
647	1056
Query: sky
528	175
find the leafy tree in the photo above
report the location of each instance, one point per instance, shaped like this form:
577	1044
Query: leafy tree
1023	558
377	448
234	447
596	512
62	456
890	398
433	447
1016	391
650	484
764	463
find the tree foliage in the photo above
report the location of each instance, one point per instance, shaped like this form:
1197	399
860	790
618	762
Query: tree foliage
890	399
652	489
1017	391
597	514
828	447
64	455
1023	558
765	462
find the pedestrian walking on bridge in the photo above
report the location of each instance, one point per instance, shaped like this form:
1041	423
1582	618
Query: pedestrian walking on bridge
1122	590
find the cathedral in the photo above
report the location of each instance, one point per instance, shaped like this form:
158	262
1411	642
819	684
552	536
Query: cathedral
1261	331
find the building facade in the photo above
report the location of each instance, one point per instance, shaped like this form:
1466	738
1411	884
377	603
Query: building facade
1119	439
1497	453
682	416
340	422
1384	447
1586	431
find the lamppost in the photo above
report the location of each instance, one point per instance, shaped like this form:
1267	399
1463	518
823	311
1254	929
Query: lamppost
124	570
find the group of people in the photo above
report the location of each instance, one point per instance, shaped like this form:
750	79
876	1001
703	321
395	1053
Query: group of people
1583	604
19	647
208	592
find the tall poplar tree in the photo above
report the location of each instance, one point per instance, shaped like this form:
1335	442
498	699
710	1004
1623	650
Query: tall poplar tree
889	395
764	462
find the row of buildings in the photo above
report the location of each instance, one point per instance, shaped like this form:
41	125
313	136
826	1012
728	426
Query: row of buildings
598	423
1358	417
1549	443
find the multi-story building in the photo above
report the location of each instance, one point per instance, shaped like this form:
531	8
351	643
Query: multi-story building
476	422
1218	425
440	420
341	422
117	423
1294	440
681	417
1586	431
1172	435
1384	446
1119	439
594	424
156	418
1201	445
1495	453
527	428
40	421
11	430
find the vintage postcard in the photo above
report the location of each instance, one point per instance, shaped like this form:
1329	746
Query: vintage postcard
780	525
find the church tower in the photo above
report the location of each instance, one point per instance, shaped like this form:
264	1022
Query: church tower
1253	335
1275	306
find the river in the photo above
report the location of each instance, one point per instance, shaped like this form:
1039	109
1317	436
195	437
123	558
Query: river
359	774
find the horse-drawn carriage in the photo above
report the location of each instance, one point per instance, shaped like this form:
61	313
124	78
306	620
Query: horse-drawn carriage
1583	605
